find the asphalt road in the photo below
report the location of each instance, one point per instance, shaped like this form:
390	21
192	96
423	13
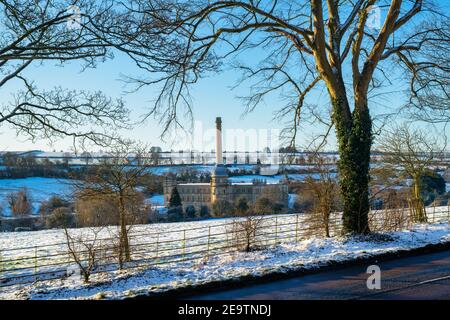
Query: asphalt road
420	277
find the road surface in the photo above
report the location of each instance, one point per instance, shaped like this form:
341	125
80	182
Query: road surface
420	277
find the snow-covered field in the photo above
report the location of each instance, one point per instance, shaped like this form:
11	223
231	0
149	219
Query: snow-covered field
283	249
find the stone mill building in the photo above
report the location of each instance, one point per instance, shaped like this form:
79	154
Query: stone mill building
221	188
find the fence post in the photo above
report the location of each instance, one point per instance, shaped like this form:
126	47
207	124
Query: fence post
157	245
209	238
296	228
434	211
35	260
276	229
184	243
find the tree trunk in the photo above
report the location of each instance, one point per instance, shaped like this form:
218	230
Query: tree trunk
86	277
327	225
124	244
354	135
419	214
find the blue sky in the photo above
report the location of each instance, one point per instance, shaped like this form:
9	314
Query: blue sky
211	97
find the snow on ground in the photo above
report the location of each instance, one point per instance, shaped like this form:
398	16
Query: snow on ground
281	257
307	254
40	189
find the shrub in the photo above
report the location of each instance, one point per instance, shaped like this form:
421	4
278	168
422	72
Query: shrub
245	231
432	182
241	206
175	214
190	212
53	203
277	207
61	217
204	212
263	206
222	208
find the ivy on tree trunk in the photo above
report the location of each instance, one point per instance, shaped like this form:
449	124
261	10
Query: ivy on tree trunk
354	137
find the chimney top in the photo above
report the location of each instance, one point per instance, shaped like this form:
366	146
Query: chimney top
219	123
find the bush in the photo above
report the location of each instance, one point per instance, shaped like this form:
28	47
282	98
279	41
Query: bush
204	212
277	207
47	207
241	206
190	212
61	217
432	182
222	208
263	206
175	214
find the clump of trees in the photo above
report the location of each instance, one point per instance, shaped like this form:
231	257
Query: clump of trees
57	212
151	183
222	208
54	202
20	203
433	187
102	210
190	212
18	166
267	205
411	152
61	217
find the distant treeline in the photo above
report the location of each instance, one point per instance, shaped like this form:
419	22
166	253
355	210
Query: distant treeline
17	167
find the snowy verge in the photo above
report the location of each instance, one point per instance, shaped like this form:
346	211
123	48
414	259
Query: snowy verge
303	255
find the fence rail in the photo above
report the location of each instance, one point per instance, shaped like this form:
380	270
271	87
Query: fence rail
25	264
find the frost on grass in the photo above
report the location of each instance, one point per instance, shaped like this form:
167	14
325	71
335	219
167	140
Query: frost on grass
306	254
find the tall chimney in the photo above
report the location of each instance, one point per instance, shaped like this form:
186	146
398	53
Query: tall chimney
219	158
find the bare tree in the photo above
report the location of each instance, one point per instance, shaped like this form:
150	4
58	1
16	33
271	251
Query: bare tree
85	250
56	31
20	203
308	47
245	229
411	151
325	190
430	77
114	178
